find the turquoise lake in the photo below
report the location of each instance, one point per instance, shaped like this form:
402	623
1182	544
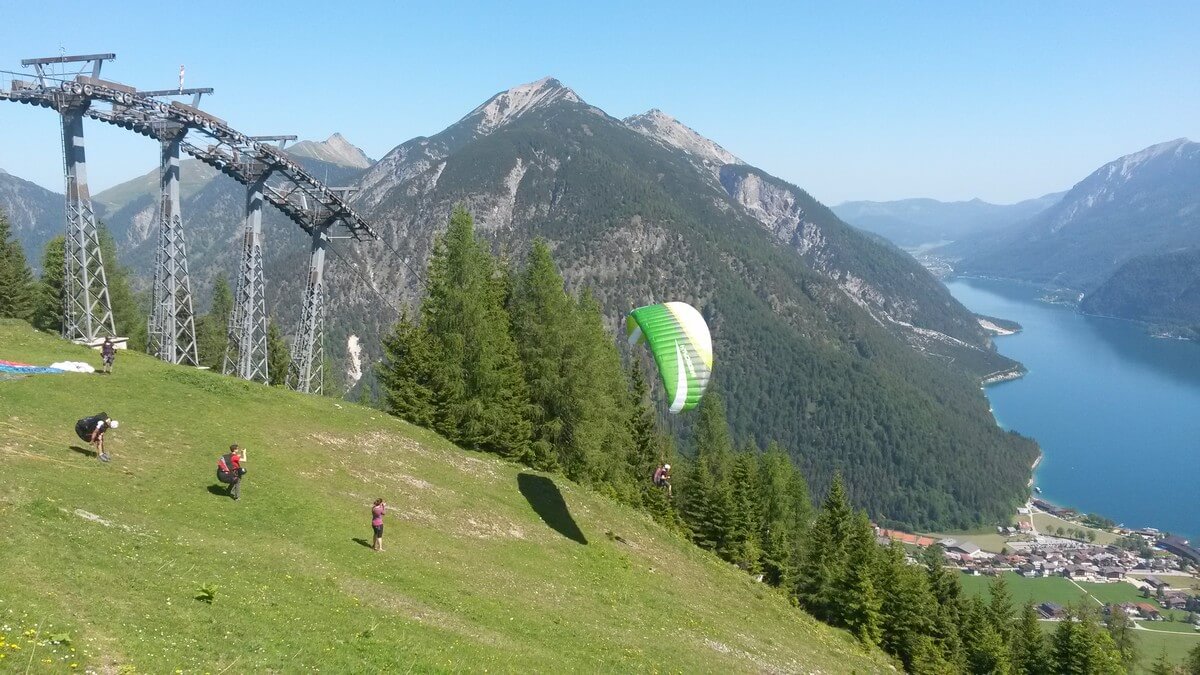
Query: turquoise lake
1116	411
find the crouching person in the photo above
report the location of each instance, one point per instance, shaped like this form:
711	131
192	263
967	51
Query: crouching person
230	470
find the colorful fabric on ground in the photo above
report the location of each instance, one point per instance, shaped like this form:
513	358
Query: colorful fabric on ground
15	368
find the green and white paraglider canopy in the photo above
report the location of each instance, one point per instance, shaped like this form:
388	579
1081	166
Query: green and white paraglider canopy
679	339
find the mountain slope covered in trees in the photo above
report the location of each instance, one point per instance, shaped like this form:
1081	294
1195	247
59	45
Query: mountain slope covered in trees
805	354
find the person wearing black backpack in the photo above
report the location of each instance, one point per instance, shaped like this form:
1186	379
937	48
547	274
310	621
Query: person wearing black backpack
230	470
91	429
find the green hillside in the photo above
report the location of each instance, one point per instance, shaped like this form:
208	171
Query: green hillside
486	567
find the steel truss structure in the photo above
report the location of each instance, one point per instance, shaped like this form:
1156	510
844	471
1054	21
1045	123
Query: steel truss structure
264	169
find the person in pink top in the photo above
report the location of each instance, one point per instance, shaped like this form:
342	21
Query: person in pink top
377	512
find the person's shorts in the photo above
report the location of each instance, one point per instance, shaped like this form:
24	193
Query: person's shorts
378	530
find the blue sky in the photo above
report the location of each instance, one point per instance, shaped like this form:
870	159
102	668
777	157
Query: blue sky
999	100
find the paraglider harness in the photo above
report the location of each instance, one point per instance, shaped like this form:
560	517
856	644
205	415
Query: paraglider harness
229	470
86	426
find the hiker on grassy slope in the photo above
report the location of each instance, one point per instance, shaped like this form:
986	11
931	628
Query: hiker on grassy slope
230	470
377	511
108	352
91	429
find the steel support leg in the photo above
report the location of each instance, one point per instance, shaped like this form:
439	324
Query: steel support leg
246	349
172	328
87	310
308	349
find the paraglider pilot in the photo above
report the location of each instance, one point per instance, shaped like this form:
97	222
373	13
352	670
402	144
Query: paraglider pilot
91	429
230	470
662	477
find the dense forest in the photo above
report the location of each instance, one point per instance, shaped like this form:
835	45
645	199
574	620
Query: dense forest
504	360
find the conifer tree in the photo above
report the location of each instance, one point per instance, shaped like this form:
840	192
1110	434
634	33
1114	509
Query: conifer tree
18	294
542	314
780	536
1000	608
705	522
1161	665
824	561
279	355
212	329
1029	656
48	312
601	436
947	590
129	313
478	377
908	608
984	648
1120	627
861	601
745	548
406	372
1191	665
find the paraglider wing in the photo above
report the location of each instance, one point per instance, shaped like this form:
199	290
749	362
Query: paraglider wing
682	347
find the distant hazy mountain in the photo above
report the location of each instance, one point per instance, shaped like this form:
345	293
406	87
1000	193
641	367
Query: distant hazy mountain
1160	289
1141	204
914	222
36	214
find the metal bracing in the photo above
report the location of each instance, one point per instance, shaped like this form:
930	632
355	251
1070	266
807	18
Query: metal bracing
246	350
307	370
172	329
87	310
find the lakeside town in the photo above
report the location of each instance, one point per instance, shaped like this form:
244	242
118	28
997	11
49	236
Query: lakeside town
1161	572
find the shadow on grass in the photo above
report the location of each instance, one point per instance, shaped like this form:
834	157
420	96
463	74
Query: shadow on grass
219	489
83	451
364	542
543	495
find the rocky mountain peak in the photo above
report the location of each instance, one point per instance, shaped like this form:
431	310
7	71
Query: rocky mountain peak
511	104
335	150
672	133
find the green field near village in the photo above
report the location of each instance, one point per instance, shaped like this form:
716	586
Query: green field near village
1153	636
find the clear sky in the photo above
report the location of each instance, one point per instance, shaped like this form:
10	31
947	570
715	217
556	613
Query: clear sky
876	100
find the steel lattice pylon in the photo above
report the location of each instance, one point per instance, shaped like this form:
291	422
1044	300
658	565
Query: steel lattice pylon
87	310
246	350
172	328
307	370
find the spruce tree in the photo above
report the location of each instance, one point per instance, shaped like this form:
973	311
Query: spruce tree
983	645
824	562
1191	664
542	314
212	329
861	603
1029	656
705	522
948	591
1121	628
18	294
601	436
478	378
129	310
745	548
48	312
279	355
779	531
1000	608
406	372
908	608
1161	664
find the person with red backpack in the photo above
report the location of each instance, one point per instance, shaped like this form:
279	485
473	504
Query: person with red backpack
662	477
230	470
